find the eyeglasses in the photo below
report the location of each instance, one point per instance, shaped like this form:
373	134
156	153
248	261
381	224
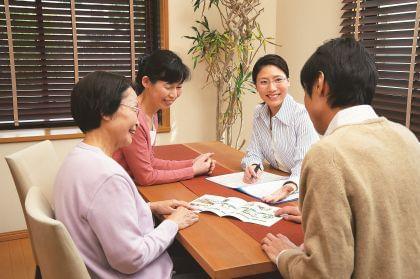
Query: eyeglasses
133	108
266	82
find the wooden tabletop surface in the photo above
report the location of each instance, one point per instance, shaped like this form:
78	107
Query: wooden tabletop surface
221	248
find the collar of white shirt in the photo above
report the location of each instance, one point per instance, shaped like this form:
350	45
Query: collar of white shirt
351	115
284	114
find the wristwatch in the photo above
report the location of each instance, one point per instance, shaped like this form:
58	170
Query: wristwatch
295	187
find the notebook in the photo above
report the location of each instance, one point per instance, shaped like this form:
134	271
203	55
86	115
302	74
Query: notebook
266	185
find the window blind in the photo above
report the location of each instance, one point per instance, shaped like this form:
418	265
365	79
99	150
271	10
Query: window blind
389	30
53	43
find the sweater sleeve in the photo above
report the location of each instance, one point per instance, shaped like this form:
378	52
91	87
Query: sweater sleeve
114	218
141	162
326	220
171	164
305	137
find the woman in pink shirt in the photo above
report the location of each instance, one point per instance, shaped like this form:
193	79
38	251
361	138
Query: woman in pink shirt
159	83
98	202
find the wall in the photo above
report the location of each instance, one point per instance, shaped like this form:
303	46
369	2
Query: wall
301	28
193	116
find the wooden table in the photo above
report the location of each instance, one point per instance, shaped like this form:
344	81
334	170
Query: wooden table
221	248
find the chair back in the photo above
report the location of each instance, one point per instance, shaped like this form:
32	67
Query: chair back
58	256
35	165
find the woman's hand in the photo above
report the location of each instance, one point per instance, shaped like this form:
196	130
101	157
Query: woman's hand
250	176
281	193
183	217
205	155
290	213
168	206
203	164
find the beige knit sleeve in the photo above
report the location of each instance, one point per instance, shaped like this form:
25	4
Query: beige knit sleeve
326	222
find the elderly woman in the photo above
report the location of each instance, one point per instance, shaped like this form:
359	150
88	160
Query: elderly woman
97	200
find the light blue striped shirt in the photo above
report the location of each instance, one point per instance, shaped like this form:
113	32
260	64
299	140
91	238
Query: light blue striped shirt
291	137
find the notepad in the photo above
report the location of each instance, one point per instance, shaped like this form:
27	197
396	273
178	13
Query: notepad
267	184
251	212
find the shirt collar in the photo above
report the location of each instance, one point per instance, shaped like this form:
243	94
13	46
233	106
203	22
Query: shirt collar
349	116
283	115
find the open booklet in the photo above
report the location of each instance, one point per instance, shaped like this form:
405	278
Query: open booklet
251	212
267	184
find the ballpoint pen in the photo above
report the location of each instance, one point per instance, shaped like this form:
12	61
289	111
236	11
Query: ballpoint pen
256	169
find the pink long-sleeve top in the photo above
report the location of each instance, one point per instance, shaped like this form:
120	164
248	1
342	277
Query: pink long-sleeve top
108	220
139	161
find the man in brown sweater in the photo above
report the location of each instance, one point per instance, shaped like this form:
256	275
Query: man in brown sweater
360	184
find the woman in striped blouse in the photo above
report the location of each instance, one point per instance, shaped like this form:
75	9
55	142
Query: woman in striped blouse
282	130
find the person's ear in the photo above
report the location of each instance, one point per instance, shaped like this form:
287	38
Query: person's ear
106	117
145	81
321	87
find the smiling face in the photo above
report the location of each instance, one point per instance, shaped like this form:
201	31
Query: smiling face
123	123
272	84
162	93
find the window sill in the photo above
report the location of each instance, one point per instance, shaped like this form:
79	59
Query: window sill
26	135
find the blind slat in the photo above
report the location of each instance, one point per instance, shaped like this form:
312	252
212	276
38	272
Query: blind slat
43	47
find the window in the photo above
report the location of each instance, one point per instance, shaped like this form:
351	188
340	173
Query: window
389	29
46	46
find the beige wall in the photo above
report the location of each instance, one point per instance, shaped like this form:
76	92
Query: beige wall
302	26
193	115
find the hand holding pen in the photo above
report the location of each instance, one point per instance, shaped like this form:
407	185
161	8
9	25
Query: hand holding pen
252	173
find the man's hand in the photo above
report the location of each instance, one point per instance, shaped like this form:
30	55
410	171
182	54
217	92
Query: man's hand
290	213
168	206
273	245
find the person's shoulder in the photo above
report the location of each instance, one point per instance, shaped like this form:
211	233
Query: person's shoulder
402	130
321	151
259	108
297	109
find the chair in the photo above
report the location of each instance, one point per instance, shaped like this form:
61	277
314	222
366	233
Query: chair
35	165
58	256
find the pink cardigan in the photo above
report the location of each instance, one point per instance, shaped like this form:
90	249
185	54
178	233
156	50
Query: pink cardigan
139	161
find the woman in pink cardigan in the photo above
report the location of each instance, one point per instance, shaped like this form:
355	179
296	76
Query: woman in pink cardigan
159	83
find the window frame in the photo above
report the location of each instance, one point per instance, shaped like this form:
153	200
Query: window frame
397	95
73	132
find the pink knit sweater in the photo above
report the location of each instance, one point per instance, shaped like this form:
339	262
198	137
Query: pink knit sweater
139	161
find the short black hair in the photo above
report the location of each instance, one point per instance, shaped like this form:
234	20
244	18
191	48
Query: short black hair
162	65
269	59
348	68
96	95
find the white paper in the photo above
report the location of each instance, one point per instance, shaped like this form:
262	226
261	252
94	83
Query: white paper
235	180
262	190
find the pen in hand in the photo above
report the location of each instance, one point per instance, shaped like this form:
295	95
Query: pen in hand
256	169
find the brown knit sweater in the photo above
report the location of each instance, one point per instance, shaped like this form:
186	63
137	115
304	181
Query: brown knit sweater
360	204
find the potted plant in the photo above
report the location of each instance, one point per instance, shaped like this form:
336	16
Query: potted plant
228	53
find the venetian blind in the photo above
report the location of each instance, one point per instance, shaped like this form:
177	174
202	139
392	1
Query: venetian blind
389	30
53	43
